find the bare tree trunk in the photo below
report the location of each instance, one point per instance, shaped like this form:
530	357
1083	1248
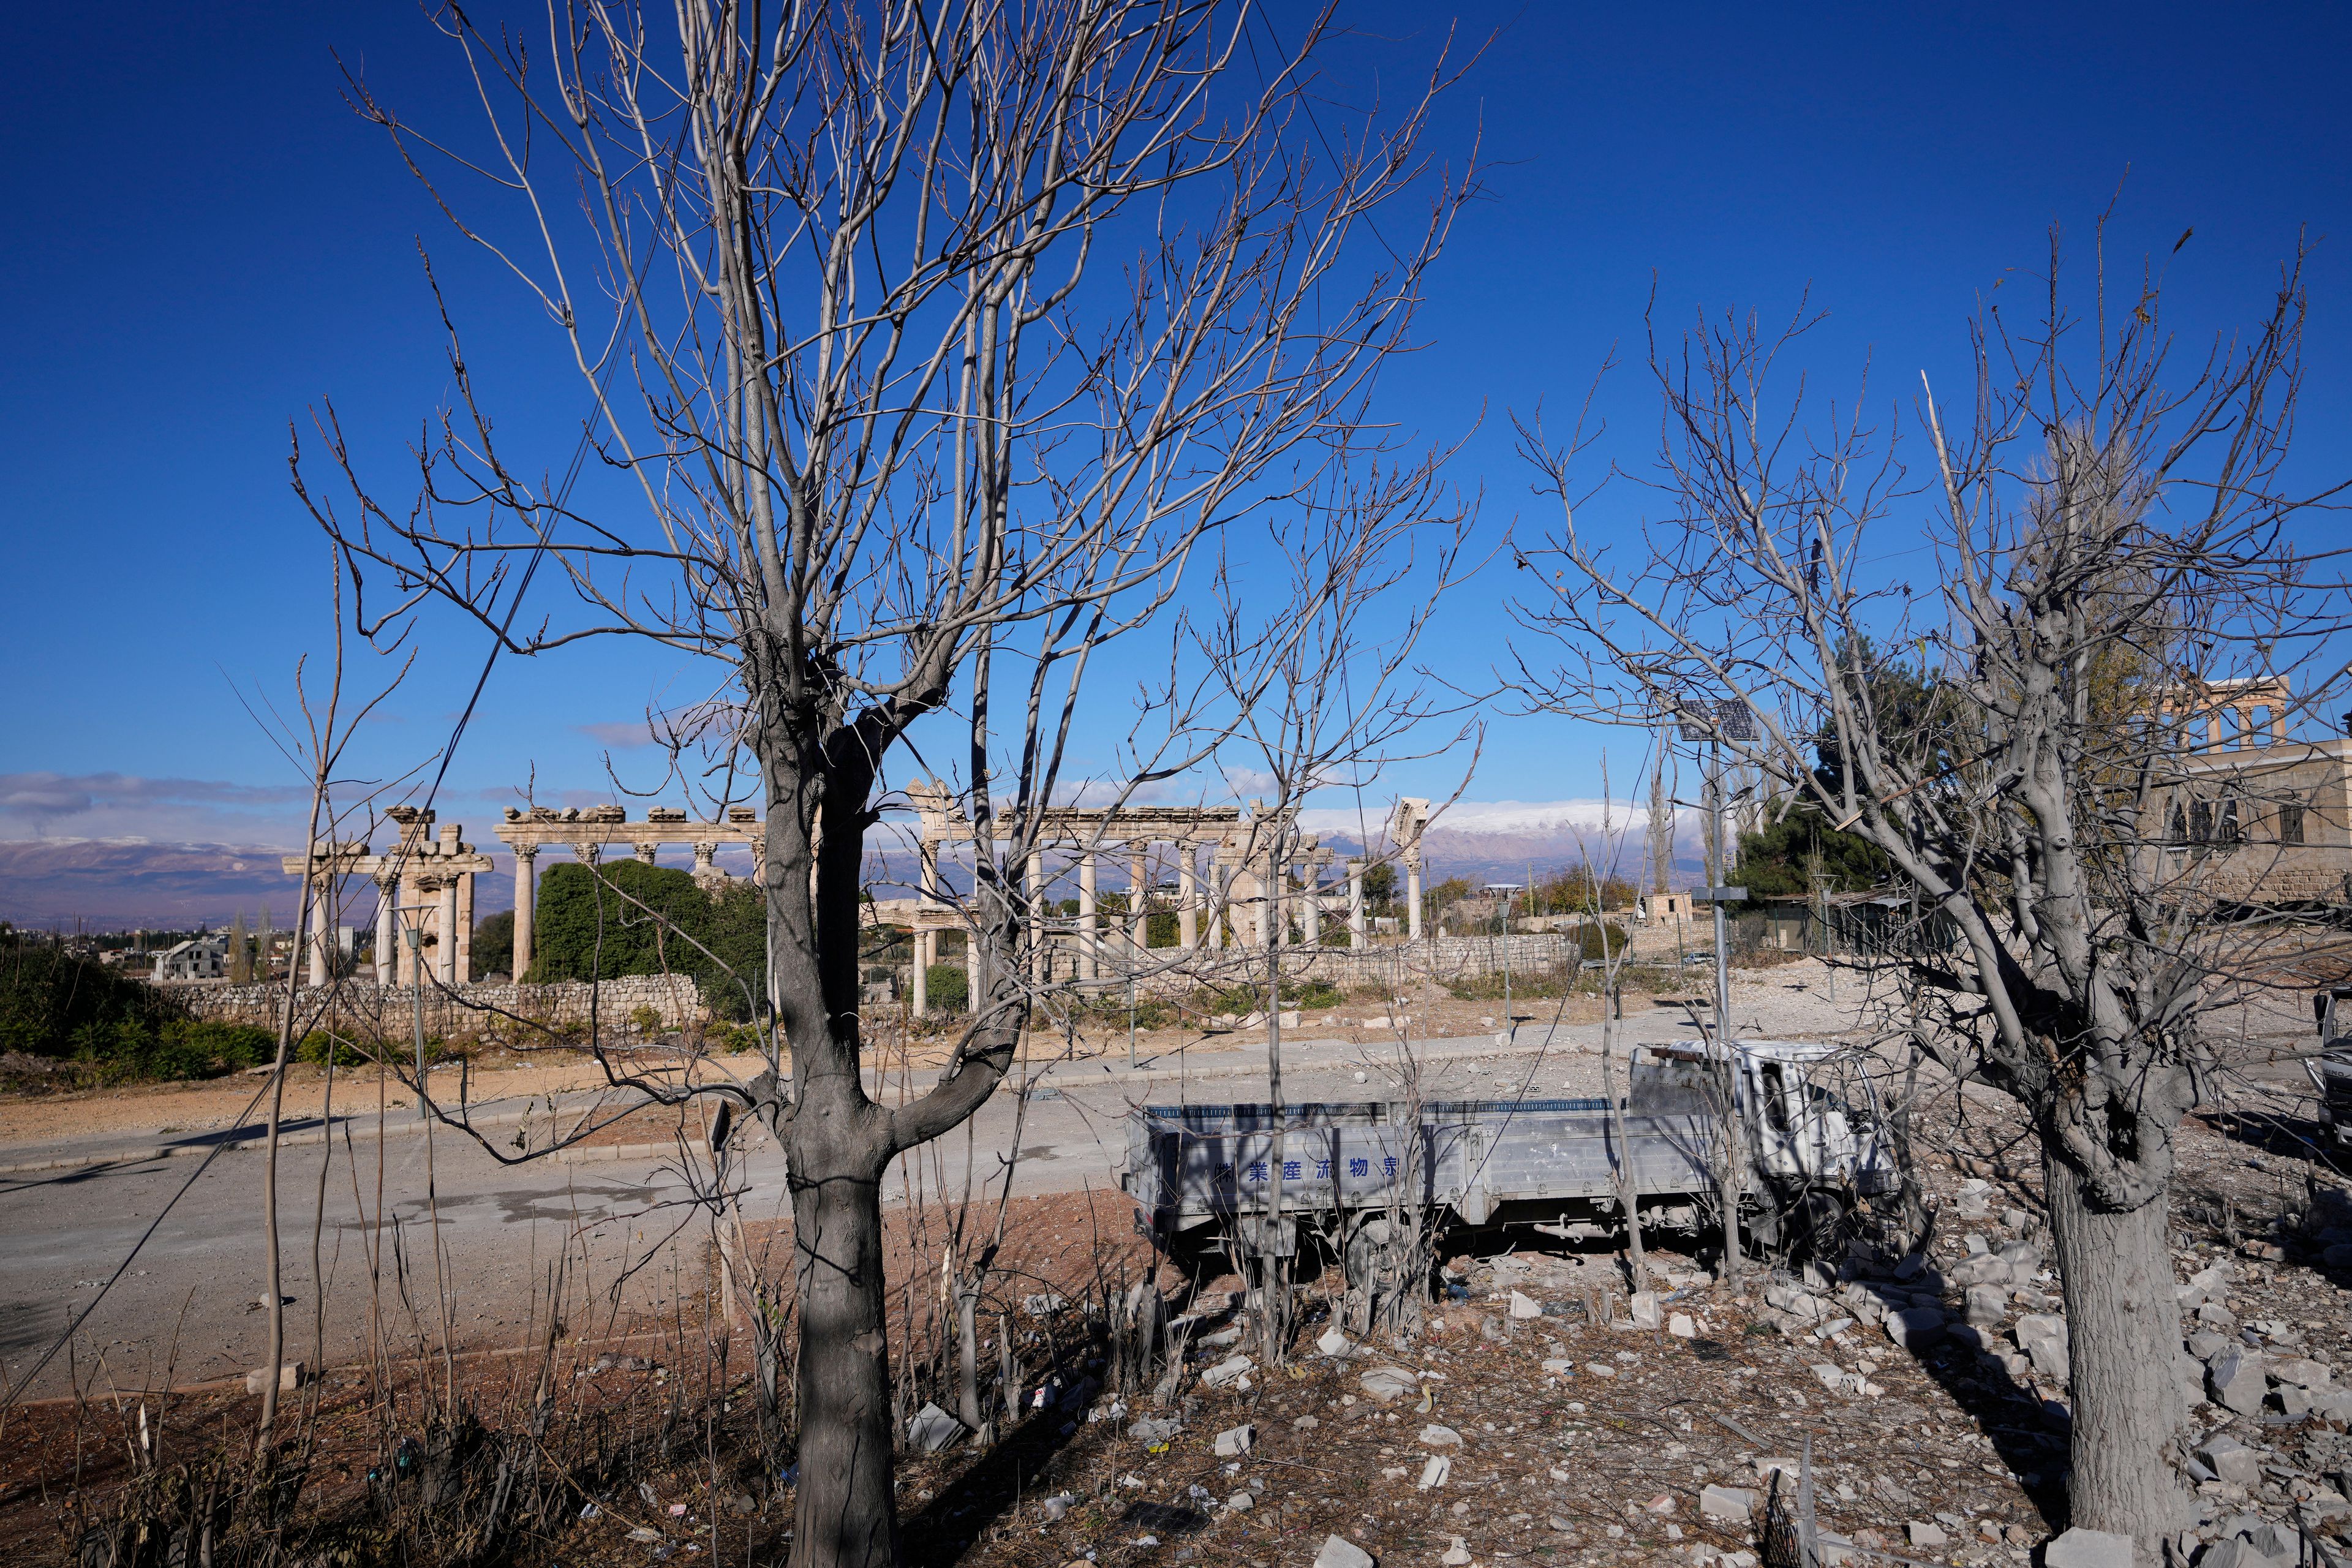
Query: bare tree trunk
846	1517
2123	1332
1629	1196
967	1314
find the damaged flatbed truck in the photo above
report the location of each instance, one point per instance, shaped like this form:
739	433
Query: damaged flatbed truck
1811	1146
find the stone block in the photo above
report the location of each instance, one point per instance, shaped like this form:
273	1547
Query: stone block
932	1429
1525	1307
1643	1308
1733	1504
1436	1470
1916	1328
290	1377
2300	1371
2234	1381
1236	1441
1389	1383
1339	1552
1987	1305
1925	1534
2042	1337
2231	1461
1680	1327
2081	1548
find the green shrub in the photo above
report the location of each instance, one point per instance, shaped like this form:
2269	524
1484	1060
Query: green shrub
54	1004
318	1042
947	987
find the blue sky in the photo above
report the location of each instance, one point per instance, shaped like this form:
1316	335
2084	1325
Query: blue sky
206	244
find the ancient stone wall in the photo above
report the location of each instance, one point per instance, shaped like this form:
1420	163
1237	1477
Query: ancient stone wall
470	1010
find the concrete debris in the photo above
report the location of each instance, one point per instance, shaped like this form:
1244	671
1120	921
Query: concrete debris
289	1377
2231	1460
1388	1383
1155	1430
2234	1381
1436	1437
932	1429
1341	1554
1492	1329
1456	1555
1643	1308
1925	1534
2042	1337
1987	1305
1058	1507
1239	1501
2302	1371
1915	1327
1525	1307
2081	1548
1680	1327
1734	1504
1234	1441
1333	1343
1436	1470
1228	1372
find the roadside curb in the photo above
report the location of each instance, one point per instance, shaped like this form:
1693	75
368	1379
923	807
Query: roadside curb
141	1154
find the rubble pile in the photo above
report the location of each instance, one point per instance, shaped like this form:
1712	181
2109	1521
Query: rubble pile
1550	1412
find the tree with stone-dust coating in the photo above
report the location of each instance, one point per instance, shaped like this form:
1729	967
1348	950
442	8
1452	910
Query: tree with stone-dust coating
2113	540
926	345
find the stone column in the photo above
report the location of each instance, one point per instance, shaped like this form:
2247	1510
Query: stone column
447	951
407	958
1355	903
1041	966
1088	928
1188	913
1310	911
926	880
1413	896
645	851
1138	905
322	928
387	952
526	907
465	928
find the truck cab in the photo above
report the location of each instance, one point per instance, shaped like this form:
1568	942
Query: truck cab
1809	1110
2331	1073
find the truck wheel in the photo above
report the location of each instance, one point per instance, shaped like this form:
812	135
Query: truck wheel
1371	1255
1820	1225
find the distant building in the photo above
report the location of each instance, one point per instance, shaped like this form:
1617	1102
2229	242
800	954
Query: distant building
2253	815
1652	909
203	958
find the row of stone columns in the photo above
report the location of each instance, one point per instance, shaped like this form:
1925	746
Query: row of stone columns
1223	929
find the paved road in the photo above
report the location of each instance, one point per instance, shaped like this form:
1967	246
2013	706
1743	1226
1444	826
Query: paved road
197	1282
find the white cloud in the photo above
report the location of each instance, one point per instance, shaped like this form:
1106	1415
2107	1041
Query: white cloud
125	807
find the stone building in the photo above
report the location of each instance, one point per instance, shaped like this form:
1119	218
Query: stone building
2253	816
201	958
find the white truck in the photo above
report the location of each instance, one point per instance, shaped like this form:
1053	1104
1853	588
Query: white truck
1810	1147
2331	1074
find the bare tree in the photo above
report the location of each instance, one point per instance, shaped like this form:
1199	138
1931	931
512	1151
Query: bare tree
934	340
2111	533
1323	697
